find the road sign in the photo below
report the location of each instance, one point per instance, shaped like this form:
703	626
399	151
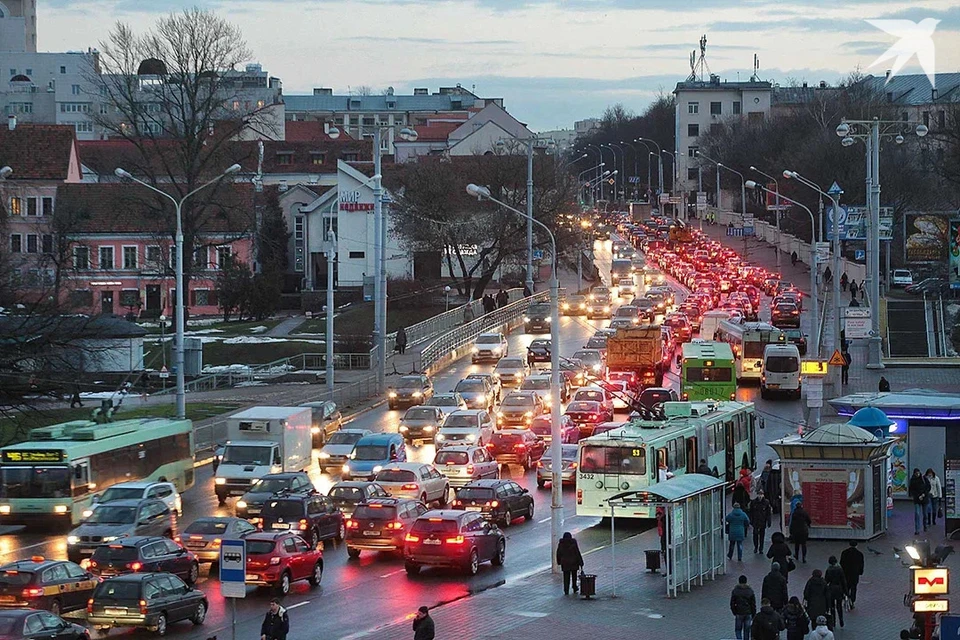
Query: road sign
949	627
856	322
538	254
675	200
860	254
823	251
837	359
835	189
164	374
814	388
932	606
233	569
813	368
702	197
612	181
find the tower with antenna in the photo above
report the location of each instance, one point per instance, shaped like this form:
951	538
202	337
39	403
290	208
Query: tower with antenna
698	64
756	68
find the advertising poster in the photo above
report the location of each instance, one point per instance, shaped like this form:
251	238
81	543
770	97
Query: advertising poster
926	237
898	468
834	498
950	479
954	255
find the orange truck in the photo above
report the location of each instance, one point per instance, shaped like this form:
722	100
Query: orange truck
638	350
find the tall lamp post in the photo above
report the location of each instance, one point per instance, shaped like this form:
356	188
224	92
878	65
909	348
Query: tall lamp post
636	167
178	249
556	497
870	131
776	211
659	158
580	184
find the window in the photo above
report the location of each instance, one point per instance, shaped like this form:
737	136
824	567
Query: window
16	206
32	206
223	257
152	128
74	107
104	109
106	258
46	243
29	71
317	157
693	108
716	109
349	157
715	127
63	69
16	243
926	118
129	257
33	243
692	152
129	297
693	173
737	108
693	130
153	256
81	257
173	257
200	258
285	158
204	298
75	89
368	121
20	107
357	255
83	127
46	206
299	223
13	72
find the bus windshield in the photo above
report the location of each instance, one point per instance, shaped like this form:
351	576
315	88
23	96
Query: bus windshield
35	482
619	460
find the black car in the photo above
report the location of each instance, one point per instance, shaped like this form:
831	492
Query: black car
381	524
497	500
55	585
327	420
409	390
251	503
538	351
654	396
315	517
144	554
347	494
145	600
796	337
453	539
537	318
30	624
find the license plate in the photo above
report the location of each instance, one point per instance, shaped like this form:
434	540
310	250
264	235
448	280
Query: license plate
115	612
474	508
278	525
371	533
90	550
253	511
252	576
8	598
773	386
431	542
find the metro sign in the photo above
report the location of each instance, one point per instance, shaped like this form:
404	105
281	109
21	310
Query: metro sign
931	582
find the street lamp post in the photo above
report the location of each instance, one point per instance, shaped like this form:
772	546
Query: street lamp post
331	257
178	249
776	212
659	159
636	167
580	187
556	497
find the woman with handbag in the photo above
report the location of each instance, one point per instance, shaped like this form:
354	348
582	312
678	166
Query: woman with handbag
816	596
570	560
779	552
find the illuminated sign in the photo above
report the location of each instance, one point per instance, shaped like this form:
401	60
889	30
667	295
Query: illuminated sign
931	582
813	367
931	606
34	456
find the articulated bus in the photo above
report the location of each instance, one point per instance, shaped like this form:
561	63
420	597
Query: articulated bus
748	340
55	475
707	372
628	458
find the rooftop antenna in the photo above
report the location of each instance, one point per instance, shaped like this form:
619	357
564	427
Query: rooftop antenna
698	64
756	67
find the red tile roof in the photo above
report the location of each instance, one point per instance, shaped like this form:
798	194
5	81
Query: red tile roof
309	131
37	152
436	131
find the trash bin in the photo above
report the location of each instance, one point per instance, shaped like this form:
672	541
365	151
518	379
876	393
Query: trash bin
653	560
588	584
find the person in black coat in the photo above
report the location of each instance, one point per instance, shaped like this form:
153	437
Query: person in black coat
851	561
767	624
795	620
570	561
837	588
423	628
779	552
775	587
919	490
884	385
760	515
276	624
743	606
800	532
816	595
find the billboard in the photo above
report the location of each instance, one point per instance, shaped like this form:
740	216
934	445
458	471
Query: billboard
954	255
926	237
834	497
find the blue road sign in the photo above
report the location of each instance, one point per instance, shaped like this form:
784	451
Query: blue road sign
538	254
233	569
860	254
835	189
949	627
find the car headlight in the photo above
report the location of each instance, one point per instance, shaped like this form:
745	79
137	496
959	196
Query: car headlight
417	394
476	350
314	430
596	367
324	455
482	397
549	319
606	309
5	509
345	468
220	481
392	394
377	468
471	437
403	427
496	350
428	428
73	539
566	305
528	414
241	504
440	436
86	514
110	538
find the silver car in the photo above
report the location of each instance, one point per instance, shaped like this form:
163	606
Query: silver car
120	519
204	535
568	468
462	464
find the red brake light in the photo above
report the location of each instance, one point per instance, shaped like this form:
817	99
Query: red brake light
456	540
573	465
90	605
520	446
143	607
396	526
409	487
32	592
135	566
352	524
412	538
470	468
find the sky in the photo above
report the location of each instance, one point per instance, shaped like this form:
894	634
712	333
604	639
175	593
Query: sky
553	62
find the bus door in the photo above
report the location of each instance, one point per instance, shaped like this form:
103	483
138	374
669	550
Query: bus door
662	461
752	439
611	472
729	437
692	460
81	477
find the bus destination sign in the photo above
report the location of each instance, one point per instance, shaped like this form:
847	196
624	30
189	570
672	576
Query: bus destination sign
33	455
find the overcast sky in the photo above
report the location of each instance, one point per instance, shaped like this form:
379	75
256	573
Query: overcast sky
551	62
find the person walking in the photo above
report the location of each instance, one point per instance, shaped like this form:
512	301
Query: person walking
822	632
779	552
401	340
468	315
502	298
423	627
851	561
816	596
836	589
936	492
853	289
919	490
844	281
884	385
774	588
795	620
827	275
845	369
767	481
737	523
743	605
570	561
741	490
760	516
767	624
75	398
793	258
276	624
800	531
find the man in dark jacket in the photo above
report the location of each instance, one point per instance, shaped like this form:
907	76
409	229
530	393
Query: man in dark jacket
570	560
836	588
800	532
779	552
743	606
760	515
276	624
502	298
919	489
704	468
851	561
775	588
423	625
767	624
816	596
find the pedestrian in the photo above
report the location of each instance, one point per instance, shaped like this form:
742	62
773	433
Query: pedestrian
401	340
775	587
822	632
570	560
767	624
836	589
661	516
704	468
526	291
488	303
919	490
845	369
797	499
502	298
741	490
779	552
793	258
795	619
884	384
737	523
743	605
761	514
800	532
75	398
827	275
468	315
767	481
276	624
843	281
423	628
936	492
816	597
851	561
854	304
853	289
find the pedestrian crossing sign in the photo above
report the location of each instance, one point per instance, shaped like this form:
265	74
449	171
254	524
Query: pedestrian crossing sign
837	359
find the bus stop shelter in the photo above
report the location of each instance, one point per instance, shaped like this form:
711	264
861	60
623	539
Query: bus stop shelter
693	511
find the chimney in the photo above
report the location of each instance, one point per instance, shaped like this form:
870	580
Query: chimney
823	84
804	84
888	74
421	91
933	94
11	122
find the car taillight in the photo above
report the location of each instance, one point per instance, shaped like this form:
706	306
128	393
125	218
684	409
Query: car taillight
573	465
135	566
455	540
92	563
304	524
216	542
396	526
579	496
412	538
90	605
494	503
275	560
32	592
539	464
470	468
177	539
143	607
352	524
490	445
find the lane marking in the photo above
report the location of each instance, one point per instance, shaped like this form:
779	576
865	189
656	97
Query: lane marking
299	604
392	573
544	520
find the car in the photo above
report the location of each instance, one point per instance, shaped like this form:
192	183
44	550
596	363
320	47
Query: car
620	393
204	535
145	600
371	453
313	516
489	347
501	501
30	624
421	423
598	307
415	480
542	384
798	338
327	420
629	312
339	447
537	318
477	392
519	408
538	351
145	554
493	380
600	292
587	414
347	494
568	467
447	403
598	343
901	278
624	323
595	394
251	503
543	427
409	390
278	558
382	524
625	287
790	296
517	446
592	359
511	371
785	314
140	490
471	426
651	397
576	305
931	286
119	519
450	538
58	586
462	464
680	325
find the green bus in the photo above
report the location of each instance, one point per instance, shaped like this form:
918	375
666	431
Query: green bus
708	372
57	472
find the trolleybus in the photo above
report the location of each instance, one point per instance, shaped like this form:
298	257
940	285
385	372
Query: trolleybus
748	340
707	372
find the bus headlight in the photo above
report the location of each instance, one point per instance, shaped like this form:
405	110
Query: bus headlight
403	428
241	504
471	437
87	513
73	539
4	509
599	484
61	508
377	469
392	394
345	468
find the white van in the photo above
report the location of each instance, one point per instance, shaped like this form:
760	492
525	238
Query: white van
781	370
711	322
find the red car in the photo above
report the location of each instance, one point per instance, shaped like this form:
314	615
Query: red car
569	433
517	446
279	559
587	414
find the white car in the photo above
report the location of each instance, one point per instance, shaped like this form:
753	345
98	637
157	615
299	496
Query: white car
621	395
414	480
472	426
593	394
626	287
447	403
462	464
339	447
490	346
139	490
901	278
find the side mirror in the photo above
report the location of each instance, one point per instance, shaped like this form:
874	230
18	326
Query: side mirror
95	499
525	490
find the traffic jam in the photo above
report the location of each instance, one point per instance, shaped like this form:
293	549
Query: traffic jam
678	319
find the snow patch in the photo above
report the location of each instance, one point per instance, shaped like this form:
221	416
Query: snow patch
258	329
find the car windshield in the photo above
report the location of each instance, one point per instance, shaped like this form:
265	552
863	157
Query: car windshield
108	553
470	386
370	452
347	493
587	356
259	547
344	438
536	384
463	420
587	394
271	485
786	308
419	413
409	383
510	363
541	426
626	312
452	457
375	512
117	590
396	475
257	456
581	407
507	438
475	493
539	310
444	401
202	527
568	453
108	514
517	401
435	525
488	339
34	482
539	344
597	343
122	493
283	509
782	364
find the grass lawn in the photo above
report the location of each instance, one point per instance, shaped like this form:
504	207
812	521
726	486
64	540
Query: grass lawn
359	319
218	353
229	329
